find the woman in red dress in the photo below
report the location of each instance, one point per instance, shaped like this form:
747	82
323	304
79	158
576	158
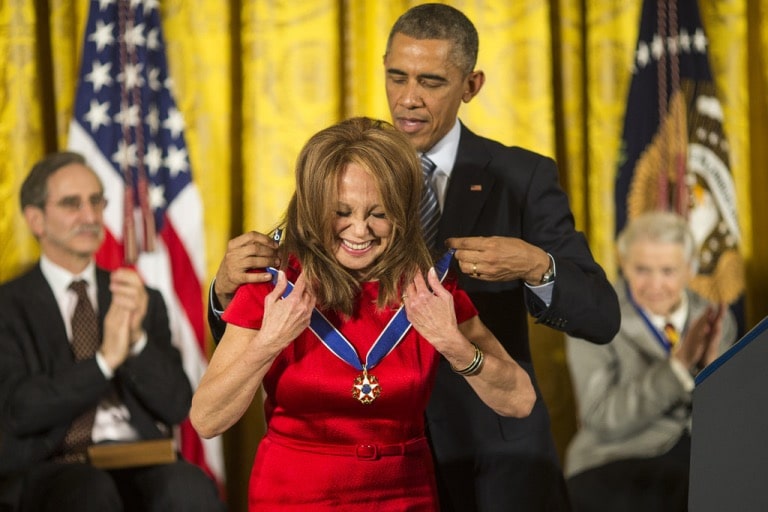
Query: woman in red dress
347	338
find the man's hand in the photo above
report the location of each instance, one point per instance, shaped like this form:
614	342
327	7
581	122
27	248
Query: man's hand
125	316
247	251
116	343
715	315
499	258
700	347
128	292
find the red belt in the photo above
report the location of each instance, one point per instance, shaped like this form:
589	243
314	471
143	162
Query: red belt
363	451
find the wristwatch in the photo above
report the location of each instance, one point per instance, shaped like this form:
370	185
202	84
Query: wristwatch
549	275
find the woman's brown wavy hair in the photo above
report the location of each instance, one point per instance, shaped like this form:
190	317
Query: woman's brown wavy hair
308	222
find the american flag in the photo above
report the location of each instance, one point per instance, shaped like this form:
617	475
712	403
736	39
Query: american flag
128	127
675	153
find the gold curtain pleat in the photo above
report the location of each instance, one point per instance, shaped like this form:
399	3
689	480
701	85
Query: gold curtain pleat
366	28
198	47
67	23
291	61
255	78
725	23
22	137
757	70
611	36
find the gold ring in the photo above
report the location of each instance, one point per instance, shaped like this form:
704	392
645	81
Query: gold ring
474	270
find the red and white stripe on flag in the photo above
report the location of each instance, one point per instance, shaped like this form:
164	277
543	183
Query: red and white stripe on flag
127	126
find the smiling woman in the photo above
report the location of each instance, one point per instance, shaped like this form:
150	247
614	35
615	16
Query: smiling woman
361	225
347	340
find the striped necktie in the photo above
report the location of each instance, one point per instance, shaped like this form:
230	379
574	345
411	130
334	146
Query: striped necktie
673	337
430	208
85	342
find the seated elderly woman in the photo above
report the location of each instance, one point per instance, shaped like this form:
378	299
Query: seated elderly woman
632	449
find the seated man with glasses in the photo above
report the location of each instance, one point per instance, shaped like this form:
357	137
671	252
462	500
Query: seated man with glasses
85	359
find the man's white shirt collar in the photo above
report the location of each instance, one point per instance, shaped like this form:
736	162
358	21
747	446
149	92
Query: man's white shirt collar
443	154
676	318
60	278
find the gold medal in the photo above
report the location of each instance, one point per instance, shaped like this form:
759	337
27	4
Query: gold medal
366	388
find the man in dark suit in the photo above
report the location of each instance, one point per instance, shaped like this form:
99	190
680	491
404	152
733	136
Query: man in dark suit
132	388
518	250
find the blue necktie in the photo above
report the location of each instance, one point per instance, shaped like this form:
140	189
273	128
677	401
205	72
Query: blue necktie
430	208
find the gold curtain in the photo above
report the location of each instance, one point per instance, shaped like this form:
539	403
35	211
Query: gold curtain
255	78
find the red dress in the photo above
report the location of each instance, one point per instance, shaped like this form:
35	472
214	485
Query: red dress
326	451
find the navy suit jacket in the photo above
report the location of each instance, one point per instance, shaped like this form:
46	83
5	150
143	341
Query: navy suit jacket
42	388
485	461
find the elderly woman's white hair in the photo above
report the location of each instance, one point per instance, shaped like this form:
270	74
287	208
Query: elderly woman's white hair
661	227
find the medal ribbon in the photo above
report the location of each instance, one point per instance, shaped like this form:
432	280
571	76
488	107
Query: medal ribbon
389	338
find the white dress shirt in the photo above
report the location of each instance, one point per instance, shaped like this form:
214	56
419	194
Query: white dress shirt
112	422
677	318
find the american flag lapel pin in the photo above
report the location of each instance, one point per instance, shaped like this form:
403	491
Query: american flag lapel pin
476	188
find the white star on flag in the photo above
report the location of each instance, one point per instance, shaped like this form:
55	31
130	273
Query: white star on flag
176	161
157	196
153	120
132	76
100	75
135	36
152	38
153	159
174	122
128	117
102	36
700	41
98	115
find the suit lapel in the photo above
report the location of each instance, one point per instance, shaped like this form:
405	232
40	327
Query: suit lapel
104	296
468	188
40	306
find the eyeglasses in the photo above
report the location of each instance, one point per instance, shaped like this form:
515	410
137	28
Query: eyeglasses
73	204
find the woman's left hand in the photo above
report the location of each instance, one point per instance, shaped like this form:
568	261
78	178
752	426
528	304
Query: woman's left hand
430	309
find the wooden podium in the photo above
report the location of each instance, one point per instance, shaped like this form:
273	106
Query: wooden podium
729	434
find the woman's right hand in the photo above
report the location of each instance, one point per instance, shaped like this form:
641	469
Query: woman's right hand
285	318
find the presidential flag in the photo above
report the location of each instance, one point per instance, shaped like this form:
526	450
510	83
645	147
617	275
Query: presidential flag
128	127
675	154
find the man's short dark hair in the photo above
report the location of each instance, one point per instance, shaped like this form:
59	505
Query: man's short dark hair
439	21
34	190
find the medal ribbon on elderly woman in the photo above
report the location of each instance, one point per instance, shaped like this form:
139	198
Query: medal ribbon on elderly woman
366	387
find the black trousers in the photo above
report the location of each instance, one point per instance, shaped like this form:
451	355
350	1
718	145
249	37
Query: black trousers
658	483
60	487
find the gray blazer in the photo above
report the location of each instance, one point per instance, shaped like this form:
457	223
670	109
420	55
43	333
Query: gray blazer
630	402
